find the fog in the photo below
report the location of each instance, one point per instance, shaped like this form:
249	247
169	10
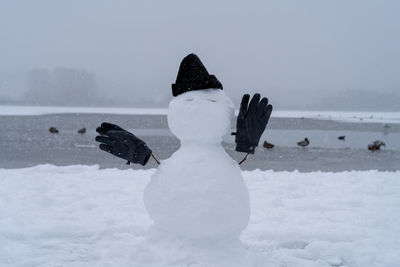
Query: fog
301	54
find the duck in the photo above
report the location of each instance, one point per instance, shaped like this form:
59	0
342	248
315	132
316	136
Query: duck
342	137
304	143
376	145
82	131
268	145
53	130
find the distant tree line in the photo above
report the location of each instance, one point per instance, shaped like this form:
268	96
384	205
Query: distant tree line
77	87
60	86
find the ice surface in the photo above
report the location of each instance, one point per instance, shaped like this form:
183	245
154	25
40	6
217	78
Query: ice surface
84	216
199	193
25	141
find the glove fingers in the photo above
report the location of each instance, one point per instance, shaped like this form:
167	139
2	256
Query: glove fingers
106	148
264	102
106	126
105	140
101	130
243	104
254	103
122	135
262	106
267	113
110	126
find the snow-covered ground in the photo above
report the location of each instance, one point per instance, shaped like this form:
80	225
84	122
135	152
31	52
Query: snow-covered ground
347	116
86	216
43	110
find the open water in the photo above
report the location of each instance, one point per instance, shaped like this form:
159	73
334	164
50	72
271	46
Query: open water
25	141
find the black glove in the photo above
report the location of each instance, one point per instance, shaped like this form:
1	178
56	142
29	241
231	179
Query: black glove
122	144
251	122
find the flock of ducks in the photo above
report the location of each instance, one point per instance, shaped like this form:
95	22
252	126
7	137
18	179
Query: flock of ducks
374	146
54	130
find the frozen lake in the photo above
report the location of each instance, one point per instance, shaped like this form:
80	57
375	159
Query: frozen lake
25	141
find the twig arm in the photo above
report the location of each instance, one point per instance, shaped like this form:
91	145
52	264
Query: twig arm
154	157
245	157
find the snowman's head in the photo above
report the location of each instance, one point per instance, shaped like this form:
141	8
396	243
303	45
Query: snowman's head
201	115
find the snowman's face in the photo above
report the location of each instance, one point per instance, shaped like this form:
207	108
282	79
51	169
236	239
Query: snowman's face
203	115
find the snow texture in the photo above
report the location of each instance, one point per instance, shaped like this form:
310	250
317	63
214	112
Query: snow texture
199	192
345	116
84	216
6	110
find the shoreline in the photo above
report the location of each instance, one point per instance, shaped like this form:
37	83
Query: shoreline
342	116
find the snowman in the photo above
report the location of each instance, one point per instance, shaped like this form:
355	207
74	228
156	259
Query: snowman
198	193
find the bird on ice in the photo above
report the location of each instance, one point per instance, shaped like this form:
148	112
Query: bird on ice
376	145
304	143
199	192
268	145
82	131
53	130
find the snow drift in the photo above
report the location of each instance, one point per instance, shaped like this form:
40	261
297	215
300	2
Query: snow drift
84	216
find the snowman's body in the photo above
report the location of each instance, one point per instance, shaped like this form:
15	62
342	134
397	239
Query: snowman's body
199	191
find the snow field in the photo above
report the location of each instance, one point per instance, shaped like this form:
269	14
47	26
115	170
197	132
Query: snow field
325	219
84	216
345	116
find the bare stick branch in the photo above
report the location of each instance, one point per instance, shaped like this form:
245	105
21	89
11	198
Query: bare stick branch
158	162
245	157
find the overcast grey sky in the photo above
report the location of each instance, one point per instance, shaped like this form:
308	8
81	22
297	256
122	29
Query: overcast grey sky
284	49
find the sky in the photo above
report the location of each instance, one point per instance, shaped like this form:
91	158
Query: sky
297	53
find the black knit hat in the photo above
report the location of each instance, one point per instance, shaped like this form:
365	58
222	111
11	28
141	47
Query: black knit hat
192	75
